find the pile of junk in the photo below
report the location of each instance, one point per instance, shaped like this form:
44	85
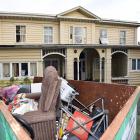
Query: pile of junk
50	110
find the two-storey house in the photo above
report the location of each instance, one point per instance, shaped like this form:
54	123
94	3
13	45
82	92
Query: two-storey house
81	45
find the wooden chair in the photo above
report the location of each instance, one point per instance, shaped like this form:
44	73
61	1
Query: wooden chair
43	121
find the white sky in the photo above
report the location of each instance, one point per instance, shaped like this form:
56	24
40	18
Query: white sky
110	9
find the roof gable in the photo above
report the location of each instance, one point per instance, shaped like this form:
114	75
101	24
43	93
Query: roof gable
78	12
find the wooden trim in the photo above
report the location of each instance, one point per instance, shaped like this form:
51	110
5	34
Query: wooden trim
17	129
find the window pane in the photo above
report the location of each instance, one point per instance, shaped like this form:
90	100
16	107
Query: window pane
24	69
6	70
15	69
33	69
138	64
71	32
20	33
103	33
78	31
78	39
133	64
122	37
22	30
48	34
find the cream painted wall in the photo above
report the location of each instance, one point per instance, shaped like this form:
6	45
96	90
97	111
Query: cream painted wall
34	31
23	55
61	32
75	14
134	76
65	31
113	34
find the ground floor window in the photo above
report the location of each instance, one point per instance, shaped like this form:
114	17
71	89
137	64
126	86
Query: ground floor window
18	69
15	69
135	64
33	69
6	70
24	69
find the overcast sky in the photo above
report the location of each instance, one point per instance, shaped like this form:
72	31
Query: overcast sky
110	9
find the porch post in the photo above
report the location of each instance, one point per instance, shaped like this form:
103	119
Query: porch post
100	69
11	72
65	68
77	68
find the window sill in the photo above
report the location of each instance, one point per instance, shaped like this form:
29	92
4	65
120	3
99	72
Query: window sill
134	71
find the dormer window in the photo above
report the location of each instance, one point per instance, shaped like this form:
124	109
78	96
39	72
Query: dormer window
103	37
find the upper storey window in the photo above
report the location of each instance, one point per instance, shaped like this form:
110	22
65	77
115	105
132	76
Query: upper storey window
122	37
20	33
48	35
78	35
103	37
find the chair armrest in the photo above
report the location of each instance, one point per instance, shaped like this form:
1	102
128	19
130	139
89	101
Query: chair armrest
38	116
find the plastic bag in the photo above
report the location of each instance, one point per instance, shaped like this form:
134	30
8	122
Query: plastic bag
24	105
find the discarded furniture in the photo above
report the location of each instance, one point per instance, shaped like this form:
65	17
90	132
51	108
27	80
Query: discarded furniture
43	121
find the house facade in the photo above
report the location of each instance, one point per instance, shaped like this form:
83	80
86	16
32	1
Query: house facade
81	45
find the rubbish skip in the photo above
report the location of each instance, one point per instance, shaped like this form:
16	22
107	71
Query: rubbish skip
76	110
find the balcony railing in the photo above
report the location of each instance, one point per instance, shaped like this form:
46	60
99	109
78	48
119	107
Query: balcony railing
120	80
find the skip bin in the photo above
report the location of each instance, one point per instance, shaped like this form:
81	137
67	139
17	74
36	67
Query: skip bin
120	100
9	127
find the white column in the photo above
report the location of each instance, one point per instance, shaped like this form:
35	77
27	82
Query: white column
77	68
100	69
29	69
19	69
65	68
1	71
11	70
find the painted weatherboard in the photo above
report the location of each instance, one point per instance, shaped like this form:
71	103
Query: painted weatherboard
22	55
34	31
75	14
113	34
134	76
65	31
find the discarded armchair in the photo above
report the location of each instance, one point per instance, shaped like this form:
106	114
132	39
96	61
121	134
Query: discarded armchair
43	121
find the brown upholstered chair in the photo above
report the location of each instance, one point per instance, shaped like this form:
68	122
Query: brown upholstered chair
43	121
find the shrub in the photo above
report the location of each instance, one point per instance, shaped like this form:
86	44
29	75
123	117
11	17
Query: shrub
27	80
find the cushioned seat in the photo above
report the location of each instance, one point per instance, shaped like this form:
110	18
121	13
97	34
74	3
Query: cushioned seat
43	121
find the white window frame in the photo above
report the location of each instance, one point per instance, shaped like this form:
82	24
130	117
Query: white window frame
48	35
19	65
122	38
135	70
72	35
21	34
